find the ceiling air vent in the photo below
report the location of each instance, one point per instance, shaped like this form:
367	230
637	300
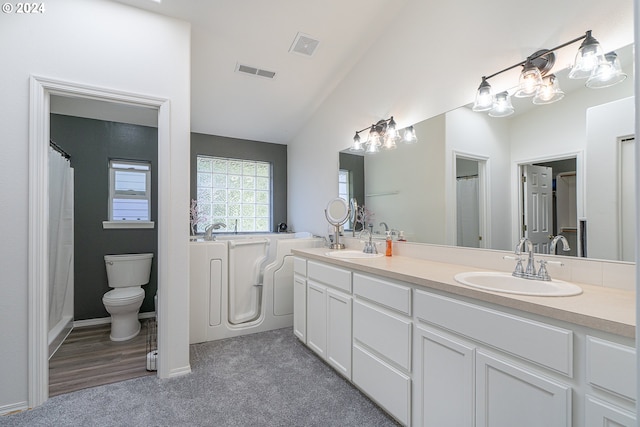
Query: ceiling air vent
246	69
303	44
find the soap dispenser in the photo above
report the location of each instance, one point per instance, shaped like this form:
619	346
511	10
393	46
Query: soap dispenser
389	244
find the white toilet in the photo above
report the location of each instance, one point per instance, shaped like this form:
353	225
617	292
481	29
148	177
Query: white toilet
126	274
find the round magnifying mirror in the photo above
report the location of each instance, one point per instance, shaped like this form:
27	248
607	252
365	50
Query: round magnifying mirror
337	211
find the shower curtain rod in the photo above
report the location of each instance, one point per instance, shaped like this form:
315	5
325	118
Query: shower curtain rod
59	149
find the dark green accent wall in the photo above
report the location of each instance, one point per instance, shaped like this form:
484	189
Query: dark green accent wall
220	146
91	144
354	164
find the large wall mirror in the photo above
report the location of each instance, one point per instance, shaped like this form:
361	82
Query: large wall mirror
462	183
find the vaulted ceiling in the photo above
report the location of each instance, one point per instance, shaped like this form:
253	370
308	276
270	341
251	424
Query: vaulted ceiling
441	49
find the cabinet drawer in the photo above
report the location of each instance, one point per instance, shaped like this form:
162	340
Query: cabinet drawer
537	342
388	294
387	386
300	266
332	276
383	332
612	367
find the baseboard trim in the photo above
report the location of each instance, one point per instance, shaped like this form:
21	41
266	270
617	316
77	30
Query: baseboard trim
105	320
13	408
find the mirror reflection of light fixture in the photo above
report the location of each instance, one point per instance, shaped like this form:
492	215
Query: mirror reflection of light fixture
549	91
382	135
409	136
607	73
502	106
601	71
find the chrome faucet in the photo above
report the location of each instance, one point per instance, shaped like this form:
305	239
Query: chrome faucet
386	227
208	232
530	271
369	246
554	242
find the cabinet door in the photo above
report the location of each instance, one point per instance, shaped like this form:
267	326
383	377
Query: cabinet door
600	413
443	380
300	308
507	396
339	331
317	318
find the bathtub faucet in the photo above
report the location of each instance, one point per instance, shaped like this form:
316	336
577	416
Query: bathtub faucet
208	232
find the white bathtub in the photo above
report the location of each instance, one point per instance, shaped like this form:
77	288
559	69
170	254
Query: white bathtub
242	284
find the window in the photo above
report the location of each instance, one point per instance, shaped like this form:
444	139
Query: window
344	190
235	192
129	191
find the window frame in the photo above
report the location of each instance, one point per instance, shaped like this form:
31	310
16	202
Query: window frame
230	225
139	166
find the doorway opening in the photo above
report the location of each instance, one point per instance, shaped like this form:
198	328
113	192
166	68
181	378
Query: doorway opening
41	91
548	204
472	228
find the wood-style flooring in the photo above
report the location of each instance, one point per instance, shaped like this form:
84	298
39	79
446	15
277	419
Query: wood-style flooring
88	358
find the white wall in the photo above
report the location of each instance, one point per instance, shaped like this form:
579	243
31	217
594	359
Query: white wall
107	45
416	173
605	124
481	136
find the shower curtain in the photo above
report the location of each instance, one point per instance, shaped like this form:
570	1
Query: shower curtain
467	212
60	244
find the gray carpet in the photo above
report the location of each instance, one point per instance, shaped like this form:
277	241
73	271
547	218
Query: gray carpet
265	379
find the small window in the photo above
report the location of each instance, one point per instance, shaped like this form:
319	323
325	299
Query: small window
129	191
344	190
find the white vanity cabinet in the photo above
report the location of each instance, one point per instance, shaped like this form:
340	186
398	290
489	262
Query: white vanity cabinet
300	298
328	315
432	358
461	379
382	329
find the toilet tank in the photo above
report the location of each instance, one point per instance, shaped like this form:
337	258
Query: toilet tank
128	269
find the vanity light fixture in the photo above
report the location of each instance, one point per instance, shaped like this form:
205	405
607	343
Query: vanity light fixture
590	63
383	135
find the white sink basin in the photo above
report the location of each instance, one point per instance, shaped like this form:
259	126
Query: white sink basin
505	282
350	254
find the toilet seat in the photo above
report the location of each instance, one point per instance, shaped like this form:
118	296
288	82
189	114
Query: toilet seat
123	296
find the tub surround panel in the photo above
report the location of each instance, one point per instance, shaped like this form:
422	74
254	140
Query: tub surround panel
598	307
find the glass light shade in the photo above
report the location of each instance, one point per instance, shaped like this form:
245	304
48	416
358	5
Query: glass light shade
530	81
484	97
374	137
549	92
589	56
410	135
502	105
372	148
607	73
389	142
357	144
391	131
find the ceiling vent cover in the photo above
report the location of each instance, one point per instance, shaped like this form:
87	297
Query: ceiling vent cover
246	69
304	44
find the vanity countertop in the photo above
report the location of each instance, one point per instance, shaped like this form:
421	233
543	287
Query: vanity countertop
601	308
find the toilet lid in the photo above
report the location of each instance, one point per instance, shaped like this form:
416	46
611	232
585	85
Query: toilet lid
122	294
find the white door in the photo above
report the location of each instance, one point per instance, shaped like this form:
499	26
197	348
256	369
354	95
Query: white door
508	396
443	380
317	318
300	307
339	331
538	206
